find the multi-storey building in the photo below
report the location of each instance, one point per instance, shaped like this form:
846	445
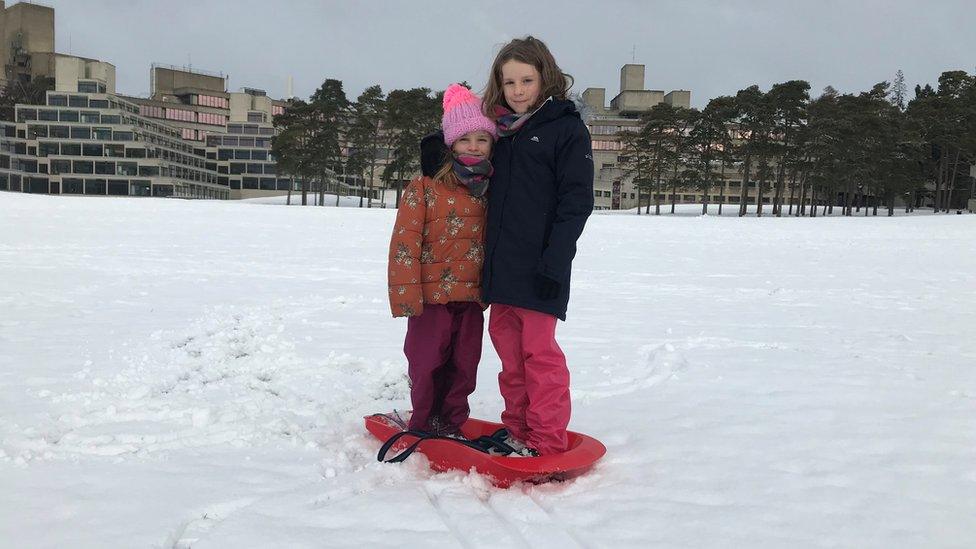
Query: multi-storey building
613	188
232	129
99	144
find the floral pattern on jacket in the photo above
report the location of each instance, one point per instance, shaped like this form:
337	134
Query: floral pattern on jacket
437	248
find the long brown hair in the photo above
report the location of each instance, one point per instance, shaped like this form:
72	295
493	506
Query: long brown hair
445	174
531	51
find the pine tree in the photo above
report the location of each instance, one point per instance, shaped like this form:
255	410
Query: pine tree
899	91
364	139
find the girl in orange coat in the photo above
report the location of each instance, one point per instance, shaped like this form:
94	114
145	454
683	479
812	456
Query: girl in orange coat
436	256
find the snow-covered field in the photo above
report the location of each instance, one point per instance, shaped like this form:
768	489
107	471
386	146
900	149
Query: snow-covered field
193	374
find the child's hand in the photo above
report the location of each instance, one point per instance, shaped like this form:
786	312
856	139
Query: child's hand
546	288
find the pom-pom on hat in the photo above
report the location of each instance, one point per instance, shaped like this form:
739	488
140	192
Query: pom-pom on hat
462	114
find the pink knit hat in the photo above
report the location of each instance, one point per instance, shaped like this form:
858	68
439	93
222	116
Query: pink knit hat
462	114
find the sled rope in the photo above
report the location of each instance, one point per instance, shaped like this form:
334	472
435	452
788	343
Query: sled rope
483	444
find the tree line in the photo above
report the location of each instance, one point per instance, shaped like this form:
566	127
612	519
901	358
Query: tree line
851	150
329	136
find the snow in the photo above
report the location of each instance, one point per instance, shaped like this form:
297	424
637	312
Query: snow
193	374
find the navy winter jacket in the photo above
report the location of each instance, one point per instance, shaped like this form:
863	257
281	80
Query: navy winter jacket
538	201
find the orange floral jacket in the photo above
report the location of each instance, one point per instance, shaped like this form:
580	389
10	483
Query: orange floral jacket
437	247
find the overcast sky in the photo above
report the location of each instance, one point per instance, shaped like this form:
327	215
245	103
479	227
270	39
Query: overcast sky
709	47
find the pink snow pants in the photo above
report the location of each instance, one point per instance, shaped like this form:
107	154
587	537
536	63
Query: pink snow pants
534	380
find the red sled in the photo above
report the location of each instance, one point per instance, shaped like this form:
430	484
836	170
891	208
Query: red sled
501	471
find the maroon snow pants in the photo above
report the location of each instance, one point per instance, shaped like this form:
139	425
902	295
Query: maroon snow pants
443	348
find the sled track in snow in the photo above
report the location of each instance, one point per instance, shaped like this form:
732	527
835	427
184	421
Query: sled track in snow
451	524
557	520
509	518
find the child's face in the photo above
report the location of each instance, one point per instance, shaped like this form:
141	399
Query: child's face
477	144
522	85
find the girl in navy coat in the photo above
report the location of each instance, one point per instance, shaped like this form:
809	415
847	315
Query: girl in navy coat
541	196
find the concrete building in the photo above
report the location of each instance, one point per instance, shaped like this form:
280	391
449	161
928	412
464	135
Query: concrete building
74	74
613	188
25	29
98	144
232	129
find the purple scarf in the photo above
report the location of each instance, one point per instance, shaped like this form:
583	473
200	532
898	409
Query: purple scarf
474	173
509	123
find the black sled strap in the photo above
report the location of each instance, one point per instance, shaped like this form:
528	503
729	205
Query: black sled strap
482	444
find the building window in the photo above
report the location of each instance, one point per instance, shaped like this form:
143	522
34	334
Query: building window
277	109
94	186
35	131
71	149
78	101
242	154
80	132
48	149
98	103
151	111
212	119
88	86
23	115
127	168
60	166
162	190
182	115
118	188
88	149
102	134
599	145
211	101
69	116
256	117
48	115
72	186
140	188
